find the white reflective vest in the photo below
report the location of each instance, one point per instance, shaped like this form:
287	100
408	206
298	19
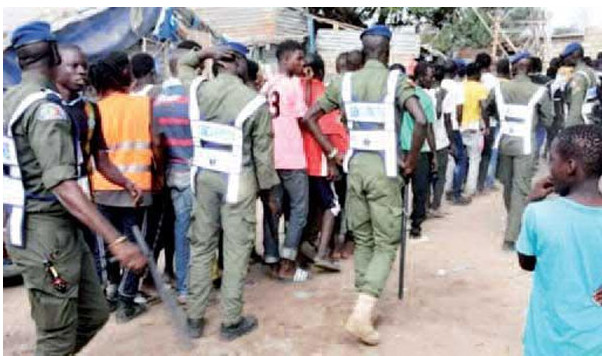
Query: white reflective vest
591	98
372	125
516	120
219	147
14	194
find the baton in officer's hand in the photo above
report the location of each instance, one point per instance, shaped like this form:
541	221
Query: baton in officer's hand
175	313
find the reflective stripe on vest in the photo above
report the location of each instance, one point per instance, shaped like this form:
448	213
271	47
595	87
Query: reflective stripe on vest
194	112
372	125
590	100
14	194
517	120
128	138
208	136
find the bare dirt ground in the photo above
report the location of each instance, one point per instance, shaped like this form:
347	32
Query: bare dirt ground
464	296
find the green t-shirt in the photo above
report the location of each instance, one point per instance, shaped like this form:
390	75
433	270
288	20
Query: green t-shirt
407	121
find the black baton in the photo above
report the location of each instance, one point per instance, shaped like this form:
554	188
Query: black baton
404	226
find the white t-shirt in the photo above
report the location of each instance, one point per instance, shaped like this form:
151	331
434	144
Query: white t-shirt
447	107
456	93
489	80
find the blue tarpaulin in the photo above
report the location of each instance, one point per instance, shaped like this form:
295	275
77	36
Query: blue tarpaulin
115	28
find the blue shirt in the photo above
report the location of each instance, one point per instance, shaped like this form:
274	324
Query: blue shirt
566	238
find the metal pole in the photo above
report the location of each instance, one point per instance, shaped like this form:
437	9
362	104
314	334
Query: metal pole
402	246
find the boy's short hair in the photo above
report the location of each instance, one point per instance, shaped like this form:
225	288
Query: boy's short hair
252	70
287	46
473	70
421	69
582	143
355	60
188	44
142	65
536	65
316	63
483	60
341	62
503	67
450	67
398	66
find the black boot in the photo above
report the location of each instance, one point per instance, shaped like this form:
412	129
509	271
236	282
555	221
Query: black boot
243	327
128	310
195	327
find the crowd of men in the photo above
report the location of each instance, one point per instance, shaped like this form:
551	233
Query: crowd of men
186	158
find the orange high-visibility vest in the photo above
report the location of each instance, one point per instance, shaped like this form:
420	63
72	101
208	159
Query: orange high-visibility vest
125	123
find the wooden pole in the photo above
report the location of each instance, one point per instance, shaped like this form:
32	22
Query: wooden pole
496	36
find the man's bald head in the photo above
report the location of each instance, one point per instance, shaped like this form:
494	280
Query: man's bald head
376	47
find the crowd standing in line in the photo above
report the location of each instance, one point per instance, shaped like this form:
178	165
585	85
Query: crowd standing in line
185	159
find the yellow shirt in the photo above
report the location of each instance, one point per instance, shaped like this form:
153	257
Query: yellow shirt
474	92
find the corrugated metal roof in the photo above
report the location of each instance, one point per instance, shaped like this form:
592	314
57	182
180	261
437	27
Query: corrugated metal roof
255	25
405	45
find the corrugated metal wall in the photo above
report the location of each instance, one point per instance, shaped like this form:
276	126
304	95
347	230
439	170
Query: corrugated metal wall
247	25
405	45
255	25
291	24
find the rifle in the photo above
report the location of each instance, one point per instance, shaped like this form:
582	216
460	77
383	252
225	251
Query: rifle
175	313
404	227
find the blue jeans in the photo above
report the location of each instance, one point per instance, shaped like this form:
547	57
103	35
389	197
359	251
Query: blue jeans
182	200
124	219
461	164
540	136
294	186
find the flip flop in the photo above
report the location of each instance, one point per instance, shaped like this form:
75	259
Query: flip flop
328	265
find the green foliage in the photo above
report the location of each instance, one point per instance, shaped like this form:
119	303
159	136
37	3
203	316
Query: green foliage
394	16
465	30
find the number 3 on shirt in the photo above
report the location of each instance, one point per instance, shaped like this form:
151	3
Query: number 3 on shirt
274	101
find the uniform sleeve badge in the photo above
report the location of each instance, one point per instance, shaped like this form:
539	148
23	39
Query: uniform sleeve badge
51	111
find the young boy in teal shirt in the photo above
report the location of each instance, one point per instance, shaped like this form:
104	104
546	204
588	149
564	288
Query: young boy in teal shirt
561	241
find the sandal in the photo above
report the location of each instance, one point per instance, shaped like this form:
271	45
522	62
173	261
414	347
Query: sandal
328	265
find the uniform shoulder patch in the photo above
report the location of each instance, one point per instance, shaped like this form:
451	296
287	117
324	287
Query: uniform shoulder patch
51	111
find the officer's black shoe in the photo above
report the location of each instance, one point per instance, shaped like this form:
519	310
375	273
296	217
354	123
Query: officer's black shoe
217	282
195	327
243	327
127	311
415	233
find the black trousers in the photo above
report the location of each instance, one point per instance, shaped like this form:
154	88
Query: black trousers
420	187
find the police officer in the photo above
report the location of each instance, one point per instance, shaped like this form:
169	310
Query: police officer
234	156
581	88
372	100
45	202
521	105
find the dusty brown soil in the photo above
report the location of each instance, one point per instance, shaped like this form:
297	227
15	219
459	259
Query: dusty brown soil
464	296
